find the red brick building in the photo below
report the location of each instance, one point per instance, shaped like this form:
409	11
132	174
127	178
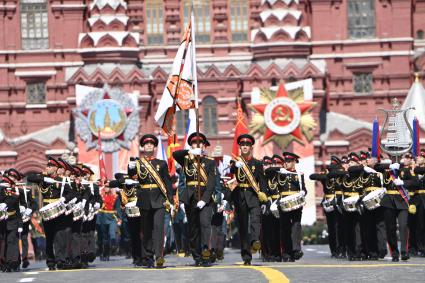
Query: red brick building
359	53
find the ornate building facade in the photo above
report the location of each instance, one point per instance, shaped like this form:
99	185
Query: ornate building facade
359	53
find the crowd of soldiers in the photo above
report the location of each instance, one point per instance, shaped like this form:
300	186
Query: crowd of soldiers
367	199
363	201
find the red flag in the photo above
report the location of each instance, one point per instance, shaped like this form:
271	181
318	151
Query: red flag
173	145
240	129
102	168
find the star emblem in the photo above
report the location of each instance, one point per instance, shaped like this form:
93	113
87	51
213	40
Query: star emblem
283	117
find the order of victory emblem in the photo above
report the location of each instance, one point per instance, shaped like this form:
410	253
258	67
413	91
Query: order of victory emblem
110	113
283	117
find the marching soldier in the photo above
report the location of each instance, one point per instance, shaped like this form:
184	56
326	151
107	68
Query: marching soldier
13	224
54	190
128	194
154	197
396	205
419	201
200	172
290	182
266	218
249	192
93	204
329	205
374	227
27	205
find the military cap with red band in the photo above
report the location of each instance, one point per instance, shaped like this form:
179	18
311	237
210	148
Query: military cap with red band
335	160
353	157
200	137
53	162
148	138
246	138
267	160
8	180
289	156
14	173
278	159
87	170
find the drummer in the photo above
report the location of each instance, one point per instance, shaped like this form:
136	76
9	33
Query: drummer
375	236
291	182
54	194
13	224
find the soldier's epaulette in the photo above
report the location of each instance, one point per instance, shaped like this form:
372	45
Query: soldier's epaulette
209	157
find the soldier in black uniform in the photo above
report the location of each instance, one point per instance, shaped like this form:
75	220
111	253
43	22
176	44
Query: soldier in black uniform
266	218
375	240
53	190
13	224
351	186
93	204
27	205
154	197
329	188
249	192
419	201
396	208
290	182
128	194
199	172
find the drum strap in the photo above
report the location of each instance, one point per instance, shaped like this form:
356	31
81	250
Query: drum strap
91	188
202	172
299	178
154	175
25	195
249	174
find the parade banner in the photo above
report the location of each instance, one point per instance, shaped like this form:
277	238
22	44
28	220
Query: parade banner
282	121
109	114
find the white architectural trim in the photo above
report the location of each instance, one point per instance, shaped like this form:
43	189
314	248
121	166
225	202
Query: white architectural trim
42	64
48	73
8	153
337	143
362	54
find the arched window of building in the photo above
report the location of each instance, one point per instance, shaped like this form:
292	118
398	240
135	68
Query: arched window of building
239	19
181	122
203	19
361	19
210	115
34	25
420	34
155	21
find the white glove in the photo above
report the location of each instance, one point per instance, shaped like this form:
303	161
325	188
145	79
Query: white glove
132	164
302	193
263	208
200	204
367	169
172	210
96	206
282	171
395	166
22	209
185	219
20	230
273	206
62	200
224	202
3	206
196	151
239	164
182	207
48	180
398	182
74	200
130	182
28	211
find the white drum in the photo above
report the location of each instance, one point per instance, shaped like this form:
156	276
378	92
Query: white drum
328	205
350	203
52	210
3	214
132	210
78	212
373	199
292	202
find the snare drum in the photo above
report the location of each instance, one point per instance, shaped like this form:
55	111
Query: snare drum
25	218
350	203
373	199
78	213
52	210
3	214
327	205
132	210
292	202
